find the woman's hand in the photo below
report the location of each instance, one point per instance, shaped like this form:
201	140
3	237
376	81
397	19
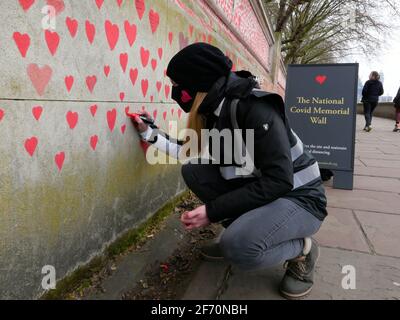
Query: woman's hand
195	219
139	124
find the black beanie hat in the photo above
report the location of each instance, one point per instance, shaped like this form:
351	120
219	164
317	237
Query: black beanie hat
198	66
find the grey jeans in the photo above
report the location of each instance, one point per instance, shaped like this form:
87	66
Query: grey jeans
261	238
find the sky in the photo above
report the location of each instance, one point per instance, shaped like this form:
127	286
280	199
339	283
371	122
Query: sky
386	60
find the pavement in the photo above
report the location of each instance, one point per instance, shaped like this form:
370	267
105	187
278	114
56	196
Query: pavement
361	234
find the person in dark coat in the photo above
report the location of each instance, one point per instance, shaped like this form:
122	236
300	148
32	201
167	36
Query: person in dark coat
396	102
270	210
372	90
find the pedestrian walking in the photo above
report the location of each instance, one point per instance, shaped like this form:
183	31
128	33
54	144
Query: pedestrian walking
372	90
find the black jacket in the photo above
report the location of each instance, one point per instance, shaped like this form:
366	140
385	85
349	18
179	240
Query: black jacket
396	100
372	90
272	154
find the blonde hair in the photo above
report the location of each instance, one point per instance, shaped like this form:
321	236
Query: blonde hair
197	121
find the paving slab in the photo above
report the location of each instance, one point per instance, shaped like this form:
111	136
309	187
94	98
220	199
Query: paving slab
383	231
376	155
376	278
377	172
381	163
364	200
377	184
341	230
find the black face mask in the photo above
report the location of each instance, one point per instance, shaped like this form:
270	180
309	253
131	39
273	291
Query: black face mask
184	97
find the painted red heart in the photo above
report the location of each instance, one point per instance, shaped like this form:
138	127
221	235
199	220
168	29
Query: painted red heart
127	110
72	25
93	109
160	53
122	96
91	82
69	82
37	112
145	87
155	114
30	145
143	108
154	19
58	5
133	75
23	41
151	98
131	32
167	91
90	31
123	60
52	40
93	142
140	8
165	115
26	4
99	3
321	79
123	128
170	37
111	118
40	77
59	160
191	30
144	56
209	39
179	113
159	85
72	119
154	64
1	114
172	111
106	70
112	33
183	41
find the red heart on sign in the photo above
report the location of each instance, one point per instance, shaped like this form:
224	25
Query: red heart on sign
59	159
90	31
40	77
321	79
72	26
111	118
30	145
52	40
112	33
23	41
131	32
72	119
37	112
154	19
69	81
93	142
140	8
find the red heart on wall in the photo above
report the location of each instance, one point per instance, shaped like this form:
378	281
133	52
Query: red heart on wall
170	37
167	90
26	4
90	31
72	26
23	41
123	60
93	142
99	3
69	82
160	53
122	96
123	128
179	113
59	160
165	115
72	119
145	87
158	85
52	40
1	114
106	70
91	82
191	30
30	145
144	56
40	77
58	5
112	34
321	79
133	75
93	110
37	112
155	114
154	64
154	19
119	3
131	32
140	8
111	118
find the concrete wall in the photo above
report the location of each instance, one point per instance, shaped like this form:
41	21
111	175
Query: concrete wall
73	174
384	110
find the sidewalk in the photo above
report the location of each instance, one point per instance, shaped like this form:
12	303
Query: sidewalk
362	230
